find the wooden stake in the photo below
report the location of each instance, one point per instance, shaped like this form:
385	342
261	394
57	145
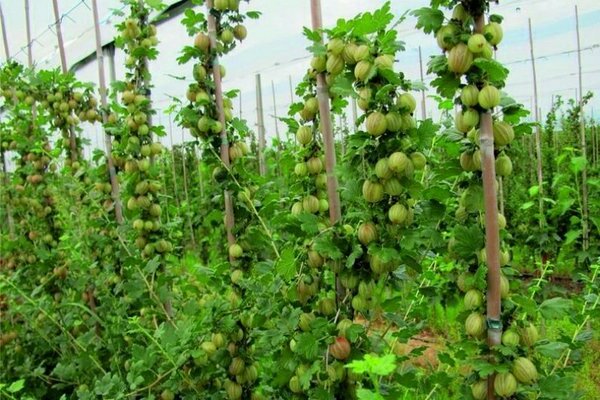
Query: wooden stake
492	232
112	173
262	165
28	30
423	107
212	32
65	70
354	115
326	127
537	136
584	188
335	212
5	37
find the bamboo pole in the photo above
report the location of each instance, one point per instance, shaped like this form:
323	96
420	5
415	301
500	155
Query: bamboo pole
275	115
4	36
423	106
584	188
112	172
212	32
65	70
537	136
492	233
262	165
291	91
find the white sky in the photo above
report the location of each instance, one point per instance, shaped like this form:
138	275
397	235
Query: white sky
276	48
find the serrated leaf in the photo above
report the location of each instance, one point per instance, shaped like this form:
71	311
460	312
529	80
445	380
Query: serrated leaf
552	349
306	345
555	308
428	19
286	265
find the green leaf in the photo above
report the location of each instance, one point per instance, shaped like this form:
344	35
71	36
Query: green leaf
156	4
429	19
571	236
495	72
366	394
311	35
253	14
557	387
552	349
528	305
286	266
306	345
16	386
374	365
555	308
578	164
446	85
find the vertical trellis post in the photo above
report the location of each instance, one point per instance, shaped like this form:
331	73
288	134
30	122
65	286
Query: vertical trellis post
423	106
492	231
354	115
114	182
10	221
4	37
212	33
65	70
335	212
291	90
326	127
537	137
584	188
260	120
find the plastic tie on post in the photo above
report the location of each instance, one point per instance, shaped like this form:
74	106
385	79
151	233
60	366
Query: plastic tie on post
494	324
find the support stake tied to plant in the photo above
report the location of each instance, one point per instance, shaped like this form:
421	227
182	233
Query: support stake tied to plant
212	34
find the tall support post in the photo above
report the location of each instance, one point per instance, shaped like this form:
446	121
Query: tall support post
584	188
28	30
260	120
326	127
5	38
212	33
275	116
65	70
354	115
423	106
112	172
492	231
538	134
173	171
291	90
335	212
